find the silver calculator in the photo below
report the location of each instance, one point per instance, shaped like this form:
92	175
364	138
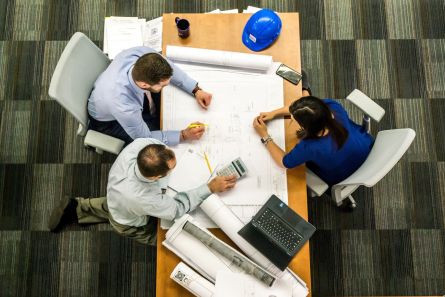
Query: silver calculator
236	167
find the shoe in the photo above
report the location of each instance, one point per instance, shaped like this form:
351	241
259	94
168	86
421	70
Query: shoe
305	83
63	214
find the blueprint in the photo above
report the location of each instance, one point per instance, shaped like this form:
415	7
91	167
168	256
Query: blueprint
238	97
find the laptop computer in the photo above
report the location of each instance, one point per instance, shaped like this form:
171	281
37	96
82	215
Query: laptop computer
277	232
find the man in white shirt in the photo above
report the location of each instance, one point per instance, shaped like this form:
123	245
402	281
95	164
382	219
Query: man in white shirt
135	194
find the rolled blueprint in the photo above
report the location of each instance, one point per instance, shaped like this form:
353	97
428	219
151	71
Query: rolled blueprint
224	218
192	281
220	58
236	258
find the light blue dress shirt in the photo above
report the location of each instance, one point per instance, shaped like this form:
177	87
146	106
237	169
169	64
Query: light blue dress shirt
116	96
131	197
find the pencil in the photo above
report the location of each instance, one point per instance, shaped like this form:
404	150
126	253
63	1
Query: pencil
207	162
197	125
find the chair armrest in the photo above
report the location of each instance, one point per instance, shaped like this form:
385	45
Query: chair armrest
316	184
366	104
103	142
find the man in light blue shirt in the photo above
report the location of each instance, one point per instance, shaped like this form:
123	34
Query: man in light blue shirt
135	195
125	101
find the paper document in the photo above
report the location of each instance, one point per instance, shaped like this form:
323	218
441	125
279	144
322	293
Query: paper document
251	9
239	95
152	34
221	58
192	281
192	164
122	33
229	284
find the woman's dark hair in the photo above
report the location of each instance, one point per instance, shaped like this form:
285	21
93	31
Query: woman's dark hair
314	116
153	160
151	68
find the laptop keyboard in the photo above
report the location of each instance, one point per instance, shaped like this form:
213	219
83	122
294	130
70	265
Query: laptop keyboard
284	235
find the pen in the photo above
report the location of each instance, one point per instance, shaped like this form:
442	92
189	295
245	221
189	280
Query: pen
197	125
208	163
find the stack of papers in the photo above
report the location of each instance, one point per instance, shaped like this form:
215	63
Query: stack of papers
121	33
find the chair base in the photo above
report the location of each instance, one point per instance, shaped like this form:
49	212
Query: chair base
347	204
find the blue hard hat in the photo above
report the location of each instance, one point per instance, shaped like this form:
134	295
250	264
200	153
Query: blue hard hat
261	29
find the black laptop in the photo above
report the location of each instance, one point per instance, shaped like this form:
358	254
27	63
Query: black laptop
277	232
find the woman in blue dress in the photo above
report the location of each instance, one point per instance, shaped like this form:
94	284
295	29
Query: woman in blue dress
329	142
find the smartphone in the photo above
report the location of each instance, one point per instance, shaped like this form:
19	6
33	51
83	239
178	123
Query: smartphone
289	74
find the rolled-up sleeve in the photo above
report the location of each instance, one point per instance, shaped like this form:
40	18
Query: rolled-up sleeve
132	122
170	208
181	79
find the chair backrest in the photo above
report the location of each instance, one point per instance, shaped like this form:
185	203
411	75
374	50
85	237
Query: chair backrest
78	68
389	147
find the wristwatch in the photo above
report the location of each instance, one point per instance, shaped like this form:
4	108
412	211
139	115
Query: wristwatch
266	140
196	89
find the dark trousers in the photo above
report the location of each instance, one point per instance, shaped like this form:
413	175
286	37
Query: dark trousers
113	128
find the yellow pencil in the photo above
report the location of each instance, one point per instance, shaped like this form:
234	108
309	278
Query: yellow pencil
197	125
208	163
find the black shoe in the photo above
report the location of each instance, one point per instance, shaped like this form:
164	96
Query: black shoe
304	80
63	214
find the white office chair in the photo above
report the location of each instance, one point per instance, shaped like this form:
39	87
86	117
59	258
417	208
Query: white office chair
388	149
78	68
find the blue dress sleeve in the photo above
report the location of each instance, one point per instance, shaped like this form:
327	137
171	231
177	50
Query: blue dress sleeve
300	154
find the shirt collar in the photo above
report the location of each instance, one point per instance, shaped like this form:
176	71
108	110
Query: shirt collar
133	84
139	175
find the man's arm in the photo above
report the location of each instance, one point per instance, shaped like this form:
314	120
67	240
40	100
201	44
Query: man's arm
170	208
132	122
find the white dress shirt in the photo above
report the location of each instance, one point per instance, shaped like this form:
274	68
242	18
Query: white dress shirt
131	197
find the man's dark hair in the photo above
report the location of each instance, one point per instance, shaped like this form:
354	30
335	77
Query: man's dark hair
151	68
152	160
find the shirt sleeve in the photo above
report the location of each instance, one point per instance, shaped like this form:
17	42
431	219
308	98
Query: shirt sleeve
171	208
132	122
300	154
181	79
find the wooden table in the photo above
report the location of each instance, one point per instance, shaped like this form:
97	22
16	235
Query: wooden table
223	32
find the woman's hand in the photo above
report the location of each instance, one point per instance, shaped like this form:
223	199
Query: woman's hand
260	127
266	116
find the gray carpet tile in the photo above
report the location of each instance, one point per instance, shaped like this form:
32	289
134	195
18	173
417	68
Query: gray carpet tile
311	19
338	19
369	19
433	63
402	18
392	244
431	13
372	68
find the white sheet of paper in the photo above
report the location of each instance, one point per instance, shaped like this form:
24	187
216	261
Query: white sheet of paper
229	284
238	96
122	33
235	10
152	34
191	171
219	58
251	9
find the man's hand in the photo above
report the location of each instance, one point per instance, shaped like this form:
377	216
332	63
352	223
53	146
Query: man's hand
194	131
222	183
203	98
260	127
